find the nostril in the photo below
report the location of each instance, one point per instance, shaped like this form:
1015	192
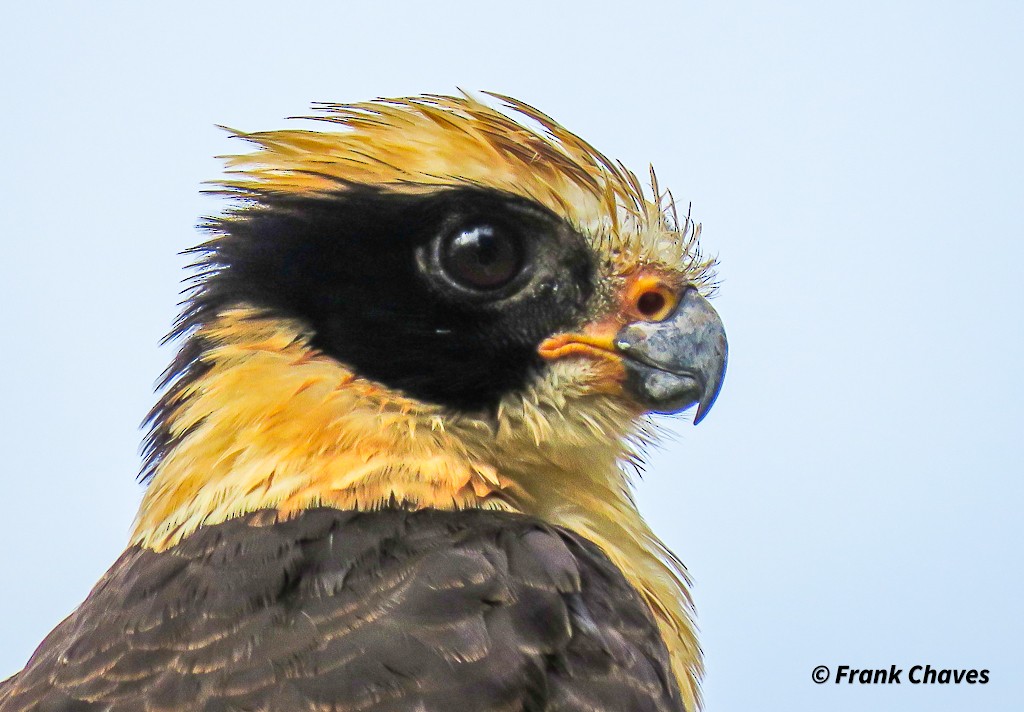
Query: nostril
649	298
650	304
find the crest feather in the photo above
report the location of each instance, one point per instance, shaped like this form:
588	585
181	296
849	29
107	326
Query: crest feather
418	144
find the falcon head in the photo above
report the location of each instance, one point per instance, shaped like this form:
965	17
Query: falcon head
437	303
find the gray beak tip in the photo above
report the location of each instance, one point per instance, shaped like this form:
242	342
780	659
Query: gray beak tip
705	404
678	362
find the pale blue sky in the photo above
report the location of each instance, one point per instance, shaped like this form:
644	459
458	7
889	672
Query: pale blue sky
853	498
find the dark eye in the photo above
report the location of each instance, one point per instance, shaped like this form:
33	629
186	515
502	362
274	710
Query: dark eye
482	256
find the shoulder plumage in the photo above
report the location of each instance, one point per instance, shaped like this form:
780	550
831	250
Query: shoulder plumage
388	610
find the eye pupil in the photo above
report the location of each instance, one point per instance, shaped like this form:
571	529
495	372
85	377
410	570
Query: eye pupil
482	257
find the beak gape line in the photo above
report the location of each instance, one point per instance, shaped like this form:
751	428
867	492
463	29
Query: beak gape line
677	362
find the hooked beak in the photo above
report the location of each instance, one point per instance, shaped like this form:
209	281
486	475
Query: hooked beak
677	362
666	365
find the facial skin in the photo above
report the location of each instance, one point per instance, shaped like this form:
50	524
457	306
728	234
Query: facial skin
437	307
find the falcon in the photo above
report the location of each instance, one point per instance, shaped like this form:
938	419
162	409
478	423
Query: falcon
389	466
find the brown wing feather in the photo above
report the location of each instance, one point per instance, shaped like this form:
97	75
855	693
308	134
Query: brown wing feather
370	612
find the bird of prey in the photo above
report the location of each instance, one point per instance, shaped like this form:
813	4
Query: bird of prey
389	466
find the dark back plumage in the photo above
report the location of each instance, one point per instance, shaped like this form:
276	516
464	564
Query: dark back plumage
371	611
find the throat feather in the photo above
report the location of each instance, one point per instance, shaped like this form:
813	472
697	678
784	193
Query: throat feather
270	424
